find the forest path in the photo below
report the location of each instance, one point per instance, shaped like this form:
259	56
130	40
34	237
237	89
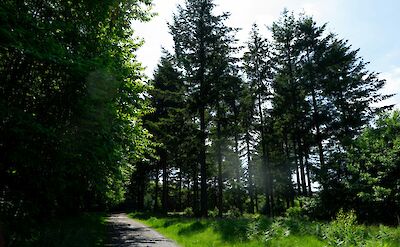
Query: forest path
126	232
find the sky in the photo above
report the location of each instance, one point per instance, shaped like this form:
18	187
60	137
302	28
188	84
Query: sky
370	25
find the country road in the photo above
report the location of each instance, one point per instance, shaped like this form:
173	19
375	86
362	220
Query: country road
125	232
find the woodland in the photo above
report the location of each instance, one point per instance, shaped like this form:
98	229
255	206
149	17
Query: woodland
295	122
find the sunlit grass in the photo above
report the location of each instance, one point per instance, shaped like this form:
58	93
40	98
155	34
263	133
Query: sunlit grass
190	232
261	231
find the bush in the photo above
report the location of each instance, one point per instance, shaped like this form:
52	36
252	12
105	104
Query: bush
233	213
303	227
344	231
213	213
313	208
253	230
295	212
278	230
188	212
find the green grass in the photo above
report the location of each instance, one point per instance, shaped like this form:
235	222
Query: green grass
88	230
260	231
190	232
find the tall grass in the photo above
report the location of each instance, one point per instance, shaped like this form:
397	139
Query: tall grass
290	231
237	232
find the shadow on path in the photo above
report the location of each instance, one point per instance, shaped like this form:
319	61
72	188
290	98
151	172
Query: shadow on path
125	232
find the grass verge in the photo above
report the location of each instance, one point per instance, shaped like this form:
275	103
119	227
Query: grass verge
260	231
235	232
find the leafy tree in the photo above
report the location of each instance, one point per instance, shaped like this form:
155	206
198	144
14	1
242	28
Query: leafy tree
374	169
71	102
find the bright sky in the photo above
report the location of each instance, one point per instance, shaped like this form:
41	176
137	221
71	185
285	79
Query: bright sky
371	25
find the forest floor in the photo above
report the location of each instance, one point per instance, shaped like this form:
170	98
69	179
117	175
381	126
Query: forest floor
126	232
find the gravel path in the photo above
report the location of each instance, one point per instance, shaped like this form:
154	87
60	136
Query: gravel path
125	232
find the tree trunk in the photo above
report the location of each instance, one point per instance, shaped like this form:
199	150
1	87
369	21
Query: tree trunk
271	190
155	208
302	174
201	77
316	120
203	165
296	161
291	193
256	197
196	192
250	173
219	158
163	163
317	127
238	201
308	176
265	165
180	190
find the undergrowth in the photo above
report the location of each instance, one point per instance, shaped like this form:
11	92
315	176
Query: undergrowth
88	230
293	230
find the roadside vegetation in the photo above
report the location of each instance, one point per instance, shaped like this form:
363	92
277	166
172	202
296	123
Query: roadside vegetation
256	230
87	230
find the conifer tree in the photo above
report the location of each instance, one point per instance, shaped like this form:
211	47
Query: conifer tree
258	69
199	35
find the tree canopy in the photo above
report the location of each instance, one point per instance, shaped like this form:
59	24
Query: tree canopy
72	97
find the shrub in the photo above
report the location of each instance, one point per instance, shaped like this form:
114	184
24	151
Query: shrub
213	213
295	212
278	230
188	212
313	208
344	231
253	230
233	213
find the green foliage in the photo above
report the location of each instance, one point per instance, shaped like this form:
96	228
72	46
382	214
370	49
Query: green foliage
213	213
188	212
385	236
253	231
295	212
203	46
375	165
72	97
88	230
278	231
227	133
344	231
233	212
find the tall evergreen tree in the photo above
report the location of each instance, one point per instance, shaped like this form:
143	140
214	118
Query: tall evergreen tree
258	69
199	35
289	94
168	100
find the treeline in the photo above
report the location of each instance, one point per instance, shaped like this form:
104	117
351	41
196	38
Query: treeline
263	127
71	102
